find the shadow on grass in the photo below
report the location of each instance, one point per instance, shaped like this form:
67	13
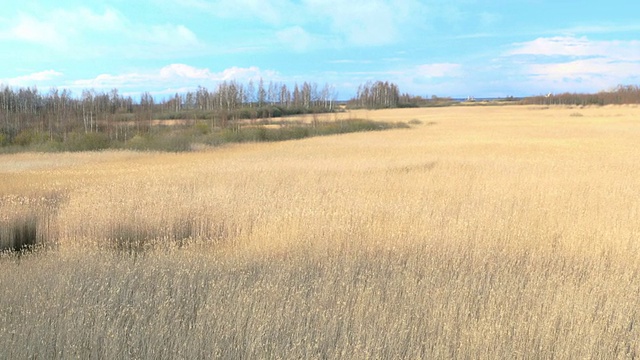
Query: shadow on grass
138	239
20	236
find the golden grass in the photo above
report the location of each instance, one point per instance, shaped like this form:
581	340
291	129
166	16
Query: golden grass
484	232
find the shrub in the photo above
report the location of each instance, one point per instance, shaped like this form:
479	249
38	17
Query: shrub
251	134
160	142
229	135
49	146
137	142
354	125
291	133
201	128
276	111
23	138
172	143
86	142
29	136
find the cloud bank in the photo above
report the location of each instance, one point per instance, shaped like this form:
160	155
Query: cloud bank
569	63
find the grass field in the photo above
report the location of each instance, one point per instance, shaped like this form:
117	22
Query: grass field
479	232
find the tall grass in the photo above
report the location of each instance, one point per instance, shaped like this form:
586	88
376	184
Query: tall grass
443	302
495	233
28	222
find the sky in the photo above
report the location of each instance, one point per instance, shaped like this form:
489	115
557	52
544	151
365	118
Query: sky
456	48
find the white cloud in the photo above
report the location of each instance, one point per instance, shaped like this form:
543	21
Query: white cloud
184	71
439	70
272	12
489	19
350	61
601	29
359	24
436	78
567	63
295	38
82	33
30	29
578	47
169	35
594	74
246	74
560	45
573	69
368	22
32	79
171	77
108	81
343	23
166	80
60	28
85	19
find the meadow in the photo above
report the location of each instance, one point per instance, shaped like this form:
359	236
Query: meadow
477	232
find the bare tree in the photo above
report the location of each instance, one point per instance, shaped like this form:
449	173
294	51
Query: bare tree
262	93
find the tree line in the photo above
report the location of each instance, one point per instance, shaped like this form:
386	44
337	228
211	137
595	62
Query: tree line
27	113
380	95
622	94
376	95
387	95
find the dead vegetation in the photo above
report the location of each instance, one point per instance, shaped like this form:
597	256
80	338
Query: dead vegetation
498	232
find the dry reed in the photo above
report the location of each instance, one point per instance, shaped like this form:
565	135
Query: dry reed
484	232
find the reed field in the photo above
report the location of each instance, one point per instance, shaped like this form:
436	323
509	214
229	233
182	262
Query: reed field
479	232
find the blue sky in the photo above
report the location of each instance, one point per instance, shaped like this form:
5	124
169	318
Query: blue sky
452	48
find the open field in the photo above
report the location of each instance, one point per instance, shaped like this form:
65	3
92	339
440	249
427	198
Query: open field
479	232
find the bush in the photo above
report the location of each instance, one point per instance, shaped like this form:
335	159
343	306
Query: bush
29	136
201	128
355	125
23	138
230	135
92	141
180	138
160	142
276	111
172	143
48	146
291	133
